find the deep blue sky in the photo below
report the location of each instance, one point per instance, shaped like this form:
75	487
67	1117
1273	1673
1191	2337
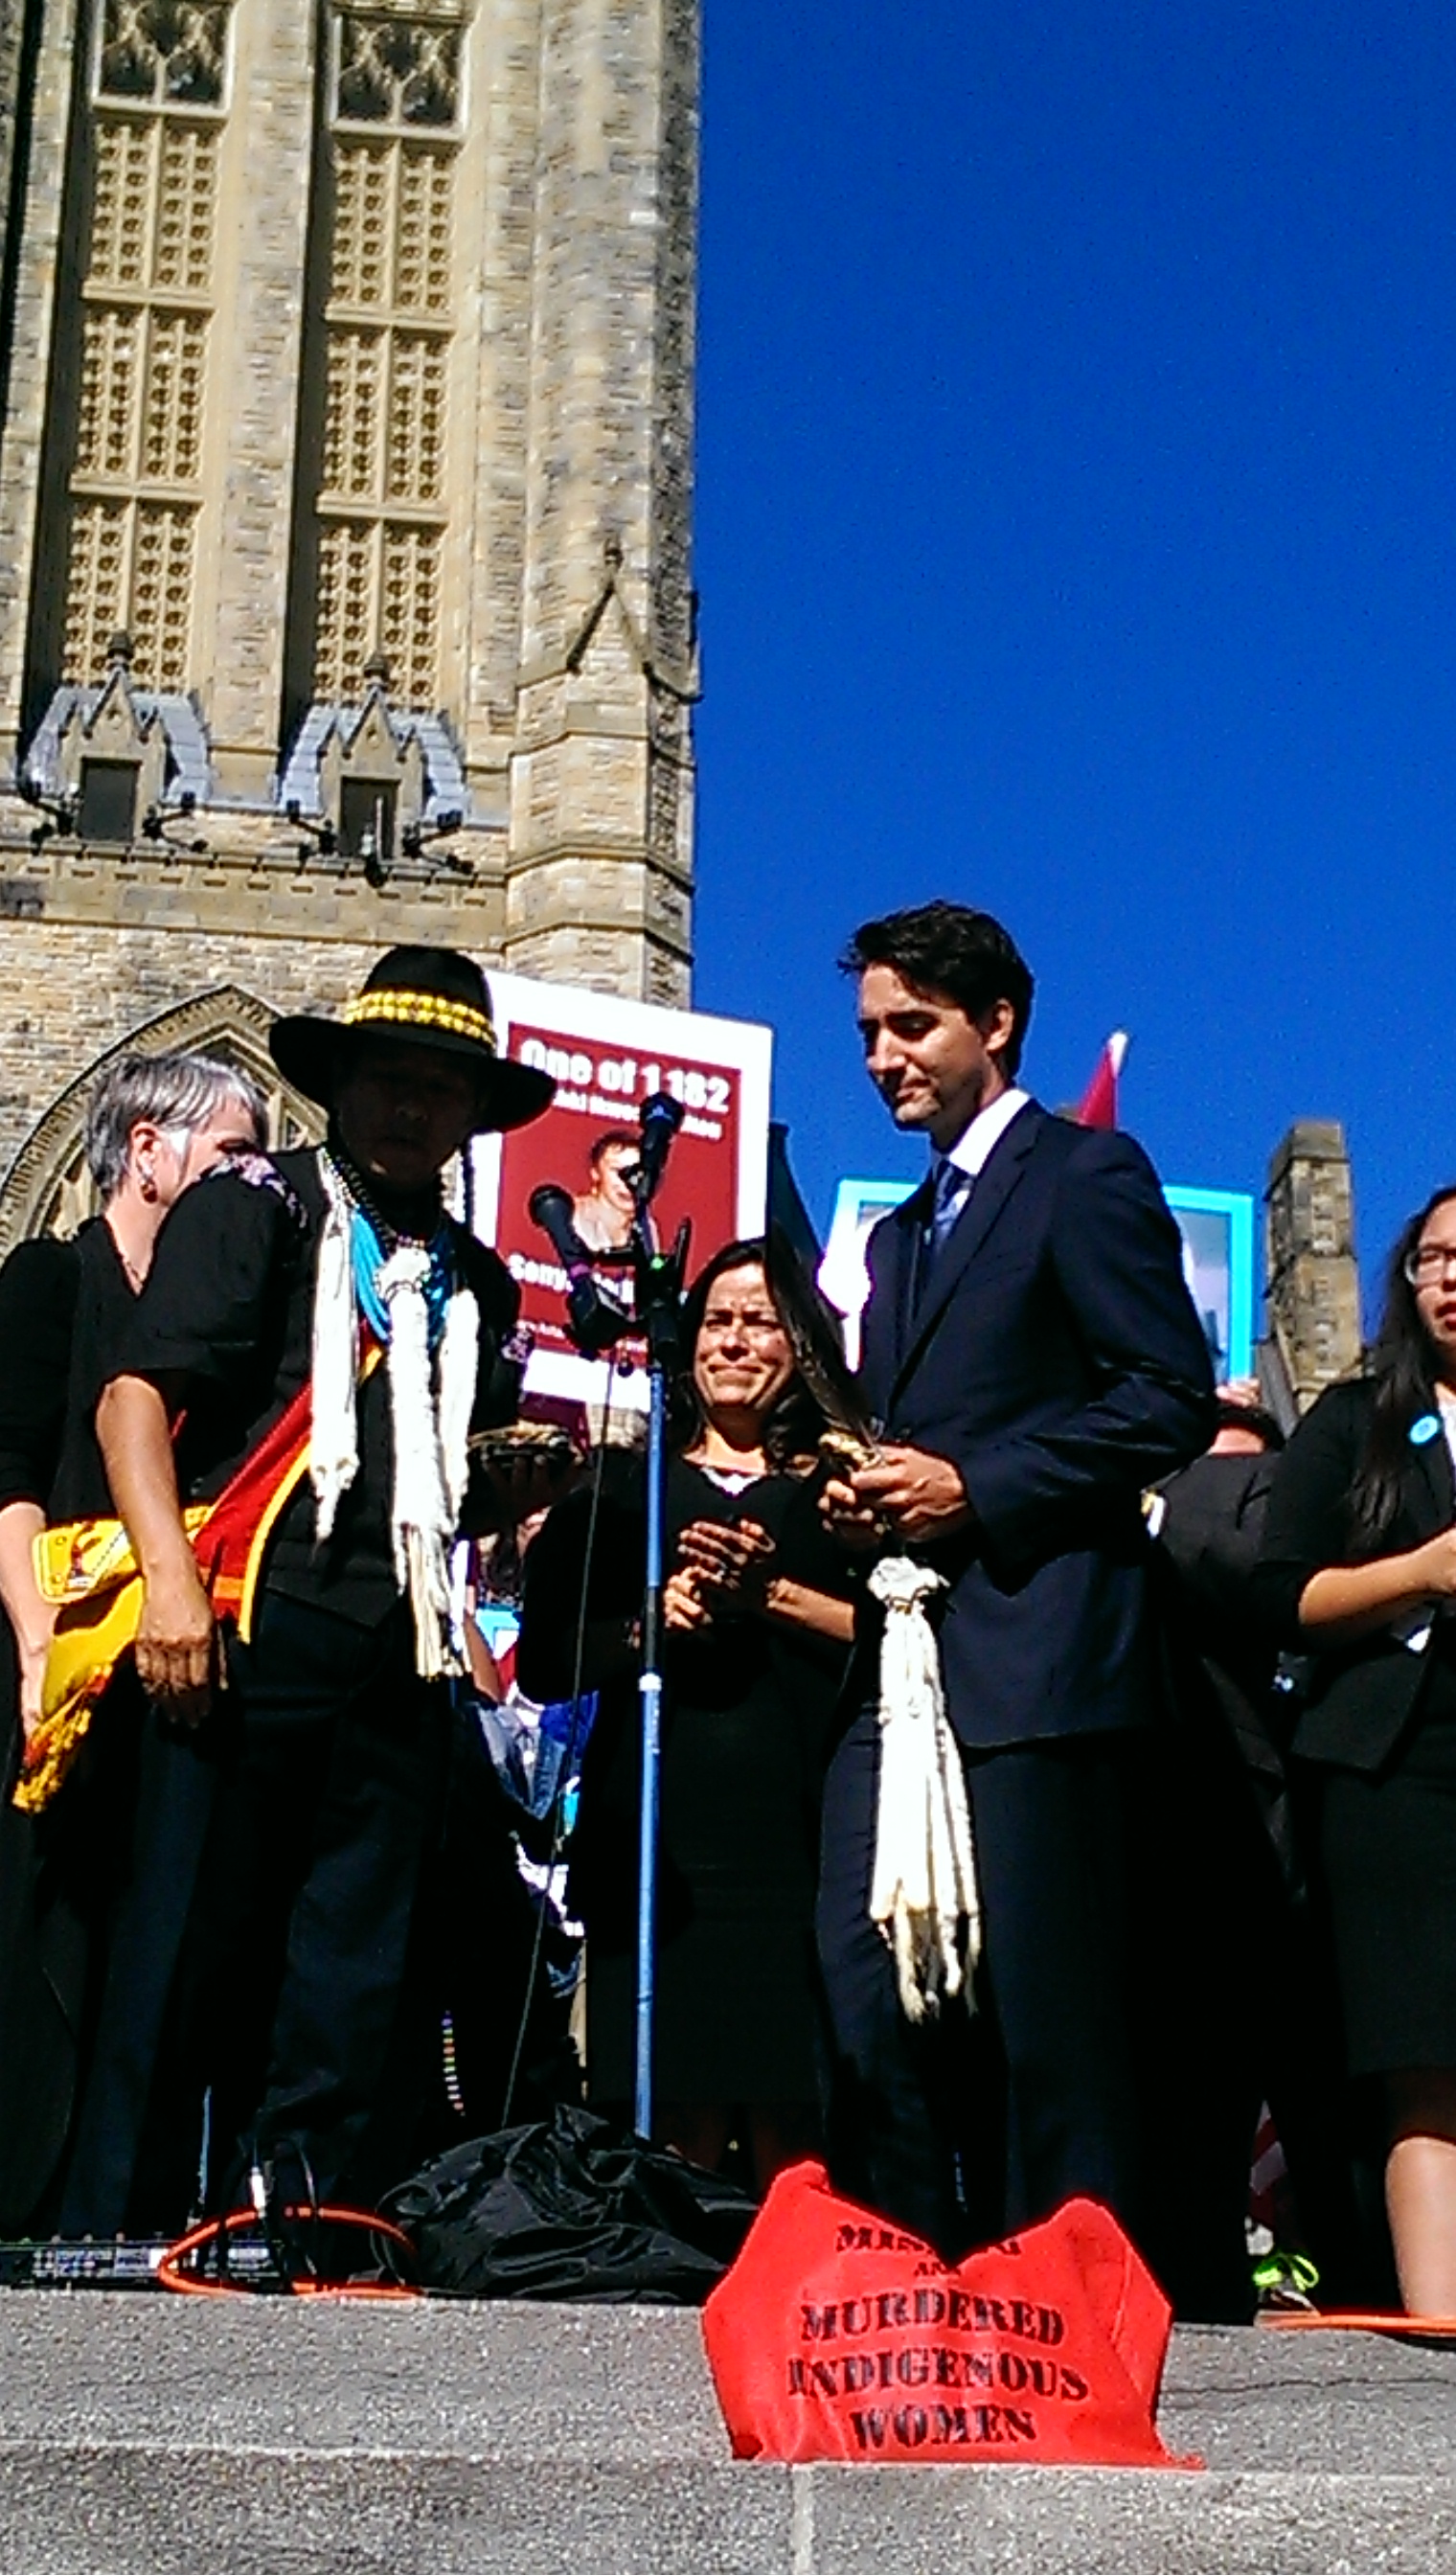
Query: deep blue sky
1075	538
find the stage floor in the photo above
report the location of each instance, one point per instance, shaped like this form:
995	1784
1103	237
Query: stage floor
175	2438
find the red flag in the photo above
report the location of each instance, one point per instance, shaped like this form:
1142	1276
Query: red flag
1098	1105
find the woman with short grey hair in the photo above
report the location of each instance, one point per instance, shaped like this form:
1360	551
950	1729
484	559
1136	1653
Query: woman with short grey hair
154	1126
171	1096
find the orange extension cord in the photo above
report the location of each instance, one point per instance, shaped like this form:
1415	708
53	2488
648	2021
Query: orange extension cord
1354	2320
172	2276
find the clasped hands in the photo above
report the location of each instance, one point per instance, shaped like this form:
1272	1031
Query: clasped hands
907	1494
721	1567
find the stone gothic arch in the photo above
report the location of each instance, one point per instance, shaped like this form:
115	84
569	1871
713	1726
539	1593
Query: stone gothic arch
48	1189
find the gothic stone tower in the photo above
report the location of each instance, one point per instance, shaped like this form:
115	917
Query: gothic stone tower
345	415
1312	1277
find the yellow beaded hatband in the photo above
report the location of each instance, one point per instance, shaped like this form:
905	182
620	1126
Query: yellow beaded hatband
421	1011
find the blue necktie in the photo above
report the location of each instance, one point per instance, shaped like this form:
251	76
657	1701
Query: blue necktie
953	1188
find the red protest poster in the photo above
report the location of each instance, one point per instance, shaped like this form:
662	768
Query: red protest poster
607	1057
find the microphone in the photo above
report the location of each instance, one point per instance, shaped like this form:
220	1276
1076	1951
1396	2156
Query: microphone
662	1115
596	1319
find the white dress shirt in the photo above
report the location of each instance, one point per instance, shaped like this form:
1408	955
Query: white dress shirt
972	1149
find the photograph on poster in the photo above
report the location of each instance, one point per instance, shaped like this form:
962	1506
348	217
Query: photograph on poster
1217	1227
608	1056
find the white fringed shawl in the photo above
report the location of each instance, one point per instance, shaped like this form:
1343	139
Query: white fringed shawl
923	1883
430	1412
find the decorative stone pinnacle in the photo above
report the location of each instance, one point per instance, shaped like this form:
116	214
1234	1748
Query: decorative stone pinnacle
377	670
611	550
118	650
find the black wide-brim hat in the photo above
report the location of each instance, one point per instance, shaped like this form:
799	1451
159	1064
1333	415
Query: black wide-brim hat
425	996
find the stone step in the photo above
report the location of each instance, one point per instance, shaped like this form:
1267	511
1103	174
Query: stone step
150	2436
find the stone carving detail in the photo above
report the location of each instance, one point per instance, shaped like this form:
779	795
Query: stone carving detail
155	203
121	212
384	446
144	334
95	583
345	637
164	50
398	72
162	558
381	486
409	622
423	232
379	584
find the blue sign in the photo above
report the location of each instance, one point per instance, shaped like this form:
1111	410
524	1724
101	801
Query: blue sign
1217	1227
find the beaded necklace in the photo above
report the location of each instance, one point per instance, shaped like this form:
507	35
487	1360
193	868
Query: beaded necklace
372	1240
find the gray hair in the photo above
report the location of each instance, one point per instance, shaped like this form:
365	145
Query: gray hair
176	1092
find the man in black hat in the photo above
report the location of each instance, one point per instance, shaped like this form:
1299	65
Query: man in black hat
317	1341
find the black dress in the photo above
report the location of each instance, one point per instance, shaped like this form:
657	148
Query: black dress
747	1727
59	1308
1388	1848
1379	1729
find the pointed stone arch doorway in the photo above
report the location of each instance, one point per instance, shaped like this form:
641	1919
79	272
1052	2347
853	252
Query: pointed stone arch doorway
49	1189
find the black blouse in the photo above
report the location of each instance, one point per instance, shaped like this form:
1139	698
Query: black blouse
749	1707
62	1308
105	1305
1361	1696
39	1285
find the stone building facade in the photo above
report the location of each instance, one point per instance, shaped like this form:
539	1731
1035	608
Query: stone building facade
346	444
1311	1277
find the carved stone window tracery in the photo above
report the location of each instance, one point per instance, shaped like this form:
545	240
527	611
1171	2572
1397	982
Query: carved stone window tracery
160	84
160	50
423	232
161	595
186	207
398	71
95	583
395	71
414	467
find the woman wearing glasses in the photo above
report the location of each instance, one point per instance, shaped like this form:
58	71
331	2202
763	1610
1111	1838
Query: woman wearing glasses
1359	1567
757	1635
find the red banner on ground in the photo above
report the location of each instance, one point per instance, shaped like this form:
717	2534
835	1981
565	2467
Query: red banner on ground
837	2336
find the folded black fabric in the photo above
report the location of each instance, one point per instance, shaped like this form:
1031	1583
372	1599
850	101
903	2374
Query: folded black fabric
570	2208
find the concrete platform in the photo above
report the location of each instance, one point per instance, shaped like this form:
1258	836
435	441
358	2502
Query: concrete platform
262	2438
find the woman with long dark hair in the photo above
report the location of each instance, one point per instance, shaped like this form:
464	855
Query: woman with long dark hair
1359	1564
758	1626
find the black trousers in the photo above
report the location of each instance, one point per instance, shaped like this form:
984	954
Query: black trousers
285	1987
967	2127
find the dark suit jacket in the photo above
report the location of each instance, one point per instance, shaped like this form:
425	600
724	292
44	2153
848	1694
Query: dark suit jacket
1207	1553
1361	1697
1057	1361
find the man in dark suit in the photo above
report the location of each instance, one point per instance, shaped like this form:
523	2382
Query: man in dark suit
1034	1359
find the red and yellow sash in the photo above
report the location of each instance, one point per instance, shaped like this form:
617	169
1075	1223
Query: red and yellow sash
87	1568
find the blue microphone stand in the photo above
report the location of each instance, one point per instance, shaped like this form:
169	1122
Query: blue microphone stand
596	1322
657	1282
